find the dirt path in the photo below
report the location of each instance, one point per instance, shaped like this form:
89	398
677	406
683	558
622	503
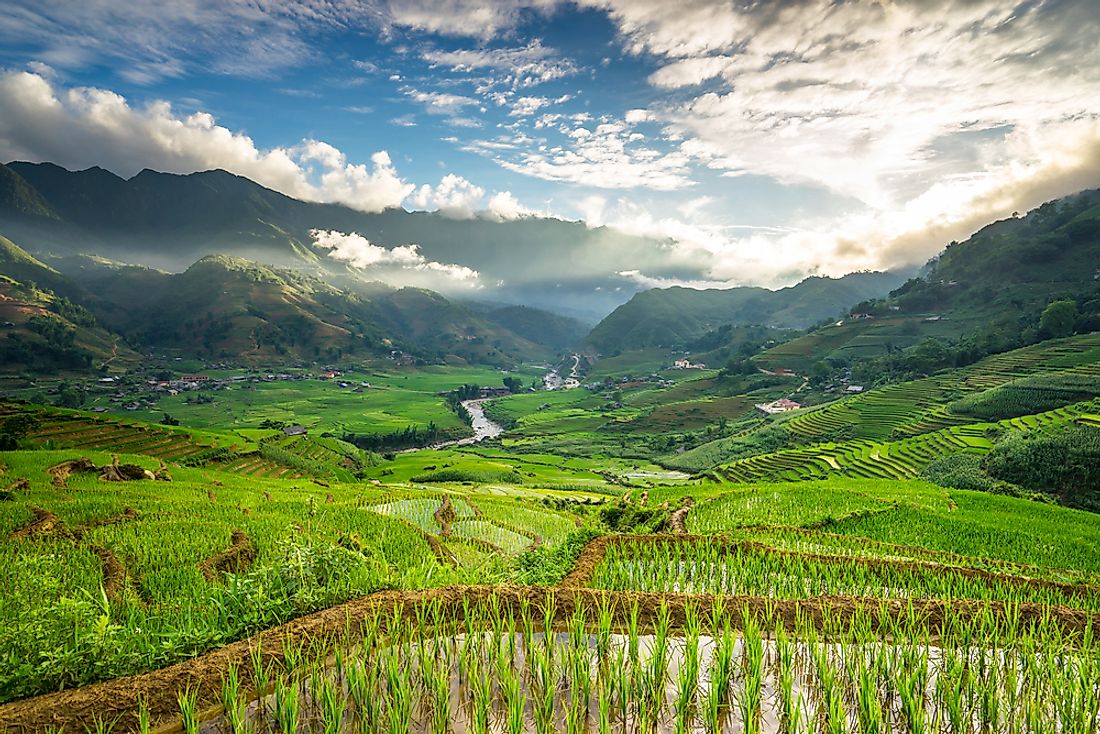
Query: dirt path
678	519
115	578
439	550
445	516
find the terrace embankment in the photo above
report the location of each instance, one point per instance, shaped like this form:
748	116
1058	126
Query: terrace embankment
237	557
158	690
677	521
44	522
942	557
445	516
115	577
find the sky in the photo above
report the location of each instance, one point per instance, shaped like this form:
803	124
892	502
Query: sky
761	140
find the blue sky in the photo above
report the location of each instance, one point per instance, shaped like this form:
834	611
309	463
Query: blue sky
765	141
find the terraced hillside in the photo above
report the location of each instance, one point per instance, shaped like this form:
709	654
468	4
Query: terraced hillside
211	557
898	459
918	406
69	429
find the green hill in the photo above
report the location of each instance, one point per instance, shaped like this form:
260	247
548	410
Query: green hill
224	306
551	330
43	330
672	317
977	297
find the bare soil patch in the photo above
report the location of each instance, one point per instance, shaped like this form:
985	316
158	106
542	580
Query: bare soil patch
44	522
236	558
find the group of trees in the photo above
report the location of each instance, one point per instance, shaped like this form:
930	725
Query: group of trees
1060	463
406	438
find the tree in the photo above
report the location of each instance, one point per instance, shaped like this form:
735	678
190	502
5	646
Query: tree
69	397
169	420
15	429
514	384
1058	319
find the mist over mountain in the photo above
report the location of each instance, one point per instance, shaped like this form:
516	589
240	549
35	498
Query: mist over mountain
169	221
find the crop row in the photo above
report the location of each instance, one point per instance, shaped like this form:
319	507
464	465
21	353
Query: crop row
914	407
639	664
712	565
900	459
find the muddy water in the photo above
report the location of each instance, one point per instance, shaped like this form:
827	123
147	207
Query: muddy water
612	663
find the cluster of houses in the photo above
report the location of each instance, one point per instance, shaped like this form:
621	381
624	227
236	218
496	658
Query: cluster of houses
686	364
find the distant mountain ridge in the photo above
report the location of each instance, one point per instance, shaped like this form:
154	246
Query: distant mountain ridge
168	221
227	307
672	317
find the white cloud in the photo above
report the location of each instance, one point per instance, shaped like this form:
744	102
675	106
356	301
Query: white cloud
610	155
520	67
644	281
871	100
85	126
951	209
504	206
402	265
442	103
454	197
482	19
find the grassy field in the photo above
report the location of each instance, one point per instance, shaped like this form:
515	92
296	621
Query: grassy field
397	398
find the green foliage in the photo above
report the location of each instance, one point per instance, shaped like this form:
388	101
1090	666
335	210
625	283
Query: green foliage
1029	395
1064	462
770	438
958	471
479	476
15	428
1058	319
624	518
548	565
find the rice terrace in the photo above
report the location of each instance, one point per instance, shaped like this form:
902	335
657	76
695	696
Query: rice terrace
550	366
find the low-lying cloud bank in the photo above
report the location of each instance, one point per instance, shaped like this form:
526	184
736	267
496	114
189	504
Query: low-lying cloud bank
403	265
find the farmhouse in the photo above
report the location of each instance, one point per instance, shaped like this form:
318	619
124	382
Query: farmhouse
779	406
194	378
687	364
295	430
854	388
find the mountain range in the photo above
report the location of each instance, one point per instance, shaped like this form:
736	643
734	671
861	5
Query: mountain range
211	264
169	221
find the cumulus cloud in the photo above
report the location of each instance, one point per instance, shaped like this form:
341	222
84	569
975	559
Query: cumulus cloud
403	265
504	206
868	99
454	197
86	126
